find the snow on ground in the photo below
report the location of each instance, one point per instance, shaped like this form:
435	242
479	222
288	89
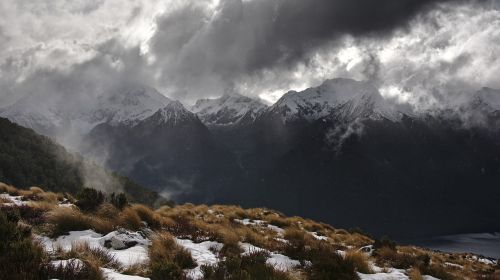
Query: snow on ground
318	237
392	274
133	255
202	253
64	263
113	275
14	200
279	261
249	222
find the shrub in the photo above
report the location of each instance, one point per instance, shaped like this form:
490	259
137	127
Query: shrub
120	200
89	199
360	261
20	258
327	264
166	270
251	266
384	242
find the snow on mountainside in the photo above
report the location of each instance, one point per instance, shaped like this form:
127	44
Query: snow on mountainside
227	110
172	113
79	113
341	98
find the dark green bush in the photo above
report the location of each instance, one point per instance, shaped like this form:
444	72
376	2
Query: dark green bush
327	264
166	270
20	258
384	242
89	199
118	200
251	266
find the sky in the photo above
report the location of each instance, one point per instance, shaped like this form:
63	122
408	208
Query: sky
424	53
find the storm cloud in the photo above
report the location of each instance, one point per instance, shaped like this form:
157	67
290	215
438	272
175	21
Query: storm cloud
413	51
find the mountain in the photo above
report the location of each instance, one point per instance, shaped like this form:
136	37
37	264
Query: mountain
171	151
28	159
228	110
337	98
337	152
67	116
340	154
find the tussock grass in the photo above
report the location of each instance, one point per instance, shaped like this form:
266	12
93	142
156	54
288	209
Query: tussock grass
4	188
167	259
360	261
74	270
130	219
96	256
64	219
147	215
415	274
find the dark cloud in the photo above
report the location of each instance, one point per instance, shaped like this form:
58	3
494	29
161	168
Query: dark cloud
195	46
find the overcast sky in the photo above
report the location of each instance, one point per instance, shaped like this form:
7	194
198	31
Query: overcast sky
423	52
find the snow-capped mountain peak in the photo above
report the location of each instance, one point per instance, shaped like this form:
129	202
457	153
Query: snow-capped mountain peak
228	109
130	105
59	113
172	113
342	98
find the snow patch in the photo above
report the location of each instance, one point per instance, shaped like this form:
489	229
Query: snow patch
278	261
202	253
130	256
113	275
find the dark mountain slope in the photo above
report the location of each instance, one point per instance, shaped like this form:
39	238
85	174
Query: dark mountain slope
392	178
28	159
170	151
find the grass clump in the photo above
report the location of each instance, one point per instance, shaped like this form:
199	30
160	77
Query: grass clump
360	261
251	266
74	270
167	259
92	255
63	220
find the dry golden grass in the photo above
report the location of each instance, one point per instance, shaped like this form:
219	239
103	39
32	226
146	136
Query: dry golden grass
147	215
415	274
202	222
4	188
107	211
129	219
360	261
65	219
95	256
42	205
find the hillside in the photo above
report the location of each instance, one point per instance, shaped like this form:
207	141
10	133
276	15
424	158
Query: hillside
29	159
111	240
